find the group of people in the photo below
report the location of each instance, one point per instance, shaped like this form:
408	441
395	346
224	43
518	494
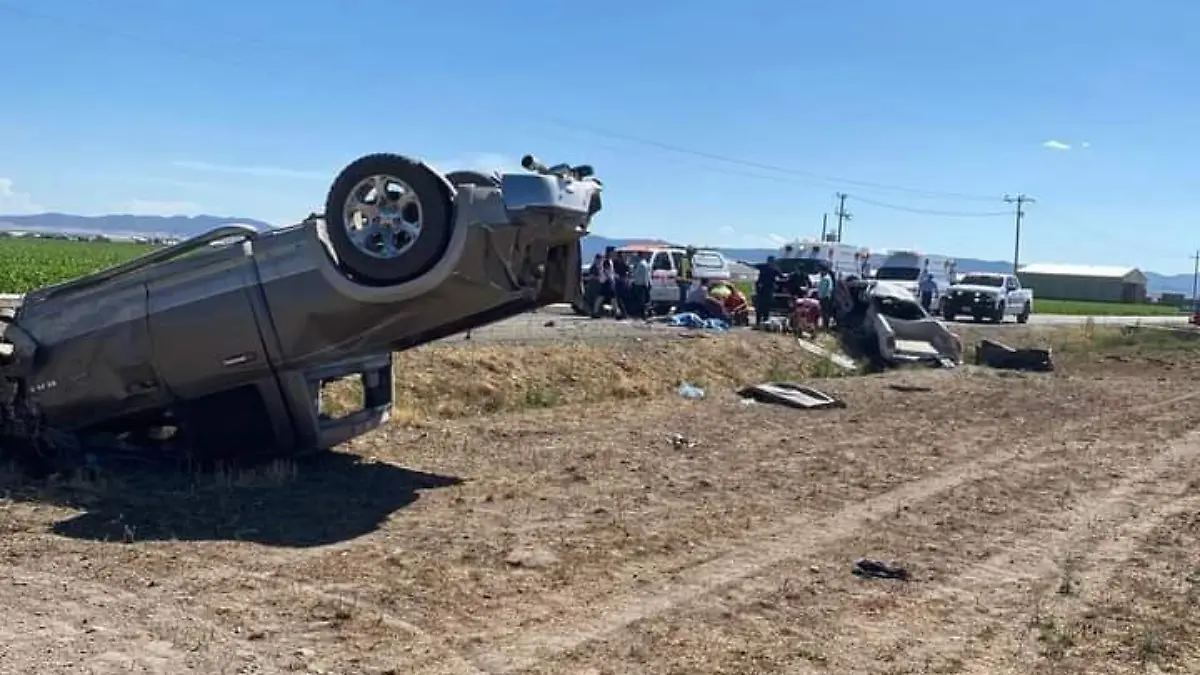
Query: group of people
623	283
808	306
620	283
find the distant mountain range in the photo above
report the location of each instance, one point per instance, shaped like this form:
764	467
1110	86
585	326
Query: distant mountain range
129	225
123	225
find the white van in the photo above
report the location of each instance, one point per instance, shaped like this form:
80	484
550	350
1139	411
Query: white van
707	265
904	268
844	259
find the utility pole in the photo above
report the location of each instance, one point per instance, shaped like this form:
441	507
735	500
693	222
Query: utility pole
1195	280
824	226
1020	200
842	214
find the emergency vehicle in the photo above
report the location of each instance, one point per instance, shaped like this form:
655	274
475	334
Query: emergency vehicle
845	260
904	268
665	262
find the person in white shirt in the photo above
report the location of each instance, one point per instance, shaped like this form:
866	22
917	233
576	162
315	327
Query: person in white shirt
641	284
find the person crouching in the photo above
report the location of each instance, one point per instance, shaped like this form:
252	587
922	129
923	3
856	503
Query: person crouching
806	314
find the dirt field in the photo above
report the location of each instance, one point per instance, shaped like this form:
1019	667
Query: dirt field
1050	525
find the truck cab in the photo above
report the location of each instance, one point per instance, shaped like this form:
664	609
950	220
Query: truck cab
988	296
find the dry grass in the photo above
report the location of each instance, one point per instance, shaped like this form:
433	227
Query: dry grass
453	382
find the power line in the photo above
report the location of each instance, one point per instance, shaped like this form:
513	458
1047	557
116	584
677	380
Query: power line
24	12
771	167
931	212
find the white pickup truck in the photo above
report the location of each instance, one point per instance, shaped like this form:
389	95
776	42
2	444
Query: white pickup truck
988	296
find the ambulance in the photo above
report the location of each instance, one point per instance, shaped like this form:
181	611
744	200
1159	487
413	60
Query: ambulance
904	267
846	260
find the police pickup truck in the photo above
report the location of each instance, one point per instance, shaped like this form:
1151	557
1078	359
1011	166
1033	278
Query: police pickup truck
988	296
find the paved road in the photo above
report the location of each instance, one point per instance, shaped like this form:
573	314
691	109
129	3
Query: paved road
558	322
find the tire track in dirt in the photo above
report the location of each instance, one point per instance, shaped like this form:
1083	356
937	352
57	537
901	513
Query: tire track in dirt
1100	565
789	539
1038	560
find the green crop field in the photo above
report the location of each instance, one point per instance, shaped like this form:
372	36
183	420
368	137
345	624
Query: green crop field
1083	308
26	264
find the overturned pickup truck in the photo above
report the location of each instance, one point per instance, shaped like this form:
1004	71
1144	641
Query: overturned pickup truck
221	345
884	323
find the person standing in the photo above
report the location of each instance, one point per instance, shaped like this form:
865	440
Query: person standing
825	297
640	285
927	288
594	285
684	279
621	272
764	291
608	285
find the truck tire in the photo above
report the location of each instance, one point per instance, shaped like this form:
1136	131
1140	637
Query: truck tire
389	219
998	313
948	313
1023	317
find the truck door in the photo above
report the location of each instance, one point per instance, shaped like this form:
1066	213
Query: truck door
101	366
662	279
203	327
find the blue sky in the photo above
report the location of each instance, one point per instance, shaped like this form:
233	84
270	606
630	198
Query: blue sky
249	109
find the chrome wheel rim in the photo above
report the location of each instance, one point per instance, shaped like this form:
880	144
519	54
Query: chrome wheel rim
383	217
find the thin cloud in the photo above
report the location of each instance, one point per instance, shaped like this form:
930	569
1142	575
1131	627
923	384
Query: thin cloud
1056	145
260	171
1085	145
15	203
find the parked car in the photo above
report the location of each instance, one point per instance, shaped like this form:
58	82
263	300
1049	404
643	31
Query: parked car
223	343
988	296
